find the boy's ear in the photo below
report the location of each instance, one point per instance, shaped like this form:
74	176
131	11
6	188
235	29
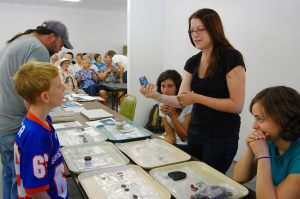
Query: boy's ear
27	105
44	97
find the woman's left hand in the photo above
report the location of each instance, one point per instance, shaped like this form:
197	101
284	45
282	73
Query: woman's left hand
258	144
186	98
148	91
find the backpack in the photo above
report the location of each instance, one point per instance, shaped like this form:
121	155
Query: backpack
154	123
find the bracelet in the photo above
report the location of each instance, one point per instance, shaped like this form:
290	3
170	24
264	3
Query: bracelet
264	157
160	98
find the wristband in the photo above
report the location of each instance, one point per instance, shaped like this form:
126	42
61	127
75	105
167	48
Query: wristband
264	157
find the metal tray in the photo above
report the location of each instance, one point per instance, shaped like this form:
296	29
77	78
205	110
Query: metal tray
129	132
152	153
200	179
80	135
104	154
127	181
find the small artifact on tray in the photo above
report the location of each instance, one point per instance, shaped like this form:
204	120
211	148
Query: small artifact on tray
211	192
194	188
80	129
177	175
123	185
120	124
88	161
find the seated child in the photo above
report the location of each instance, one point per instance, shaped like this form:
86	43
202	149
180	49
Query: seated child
174	120
39	164
98	62
273	152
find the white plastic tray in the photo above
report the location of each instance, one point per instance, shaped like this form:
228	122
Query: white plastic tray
104	154
80	135
127	181
197	173
152	153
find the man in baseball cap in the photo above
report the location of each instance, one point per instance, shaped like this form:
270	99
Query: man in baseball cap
60	29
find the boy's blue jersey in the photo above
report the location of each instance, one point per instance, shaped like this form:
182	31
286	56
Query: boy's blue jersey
38	159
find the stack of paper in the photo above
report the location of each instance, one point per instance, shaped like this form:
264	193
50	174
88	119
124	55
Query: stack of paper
96	114
84	97
62	116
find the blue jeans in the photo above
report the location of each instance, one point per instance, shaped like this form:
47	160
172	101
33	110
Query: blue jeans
9	183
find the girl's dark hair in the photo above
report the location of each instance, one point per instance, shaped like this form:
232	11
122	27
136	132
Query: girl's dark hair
282	104
41	30
70	53
213	25
96	56
169	74
80	55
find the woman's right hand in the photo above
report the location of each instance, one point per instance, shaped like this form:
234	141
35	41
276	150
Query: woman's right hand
148	91
168	110
255	135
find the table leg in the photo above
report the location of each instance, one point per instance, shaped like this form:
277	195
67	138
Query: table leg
114	101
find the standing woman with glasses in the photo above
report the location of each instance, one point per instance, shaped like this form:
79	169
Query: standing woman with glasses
214	82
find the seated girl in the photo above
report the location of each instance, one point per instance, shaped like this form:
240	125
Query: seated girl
273	152
174	120
88	78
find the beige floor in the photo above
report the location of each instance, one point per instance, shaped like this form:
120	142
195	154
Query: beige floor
74	193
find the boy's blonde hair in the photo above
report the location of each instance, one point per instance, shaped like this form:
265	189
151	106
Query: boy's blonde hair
33	78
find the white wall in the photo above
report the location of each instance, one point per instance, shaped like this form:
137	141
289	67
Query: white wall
265	32
145	37
89	30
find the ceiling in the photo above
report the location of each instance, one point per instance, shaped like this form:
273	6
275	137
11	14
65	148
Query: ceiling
116	5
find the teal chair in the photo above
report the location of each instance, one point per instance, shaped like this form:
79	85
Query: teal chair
128	106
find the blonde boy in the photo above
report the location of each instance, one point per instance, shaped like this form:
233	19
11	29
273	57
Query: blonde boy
38	160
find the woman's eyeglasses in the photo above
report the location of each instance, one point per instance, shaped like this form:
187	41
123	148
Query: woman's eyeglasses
197	31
